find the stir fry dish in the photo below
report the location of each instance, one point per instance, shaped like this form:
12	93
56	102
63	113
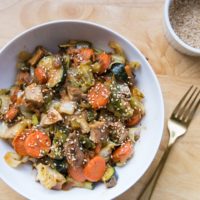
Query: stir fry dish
71	114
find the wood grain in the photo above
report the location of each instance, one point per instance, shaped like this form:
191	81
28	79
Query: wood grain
141	22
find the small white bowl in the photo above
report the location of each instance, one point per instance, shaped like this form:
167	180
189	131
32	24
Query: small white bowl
173	38
50	35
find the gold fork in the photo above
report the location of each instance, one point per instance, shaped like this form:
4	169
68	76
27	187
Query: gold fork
177	126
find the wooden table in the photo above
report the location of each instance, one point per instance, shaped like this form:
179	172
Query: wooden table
141	22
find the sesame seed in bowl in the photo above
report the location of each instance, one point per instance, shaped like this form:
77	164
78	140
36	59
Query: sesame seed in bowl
182	25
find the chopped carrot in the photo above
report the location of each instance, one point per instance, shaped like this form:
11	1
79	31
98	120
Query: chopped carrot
18	143
104	60
86	53
98	95
98	148
135	119
13	93
95	169
37	144
41	75
11	113
128	71
76	173
123	153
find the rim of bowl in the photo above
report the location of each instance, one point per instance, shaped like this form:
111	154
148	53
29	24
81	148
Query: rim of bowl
171	30
160	96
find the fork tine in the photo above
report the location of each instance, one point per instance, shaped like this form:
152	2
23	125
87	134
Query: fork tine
181	101
184	107
189	117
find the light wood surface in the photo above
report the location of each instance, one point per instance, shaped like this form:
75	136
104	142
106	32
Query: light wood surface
141	22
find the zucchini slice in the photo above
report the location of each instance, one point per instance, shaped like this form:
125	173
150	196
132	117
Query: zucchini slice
110	177
56	75
110	171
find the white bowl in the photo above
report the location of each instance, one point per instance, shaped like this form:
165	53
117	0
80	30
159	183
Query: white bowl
173	38
50	35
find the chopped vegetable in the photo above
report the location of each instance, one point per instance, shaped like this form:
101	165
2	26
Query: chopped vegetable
123	153
14	160
67	107
87	143
48	177
98	96
81	77
110	171
104	60
39	53
118	105
69	112
80	122
72	183
95	169
11	113
117	48
5	103
77	174
35	121
112	182
106	151
37	144
41	75
86	53
119	72
4	91
118	59
134	65
10	132
18	143
130	75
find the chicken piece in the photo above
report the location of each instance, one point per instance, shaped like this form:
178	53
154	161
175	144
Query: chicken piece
33	94
52	117
72	150
99	131
118	132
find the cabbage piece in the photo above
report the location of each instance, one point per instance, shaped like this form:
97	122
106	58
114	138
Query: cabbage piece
49	177
67	107
14	160
4	103
9	133
107	151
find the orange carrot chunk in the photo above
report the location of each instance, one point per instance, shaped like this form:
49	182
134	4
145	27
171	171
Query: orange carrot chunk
104	60
123	153
86	53
98	95
76	173
95	169
37	144
41	75
11	113
98	148
135	119
18	143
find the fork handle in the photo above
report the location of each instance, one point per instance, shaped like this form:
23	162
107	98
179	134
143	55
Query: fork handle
148	190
